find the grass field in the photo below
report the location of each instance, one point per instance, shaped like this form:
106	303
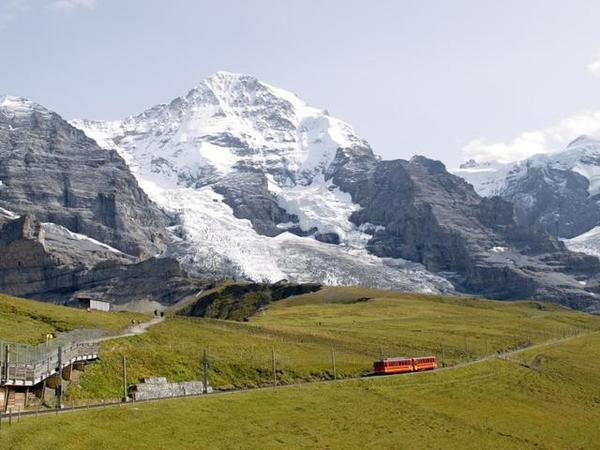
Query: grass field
544	398
357	324
29	321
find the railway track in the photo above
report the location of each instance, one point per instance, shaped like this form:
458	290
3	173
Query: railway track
4	418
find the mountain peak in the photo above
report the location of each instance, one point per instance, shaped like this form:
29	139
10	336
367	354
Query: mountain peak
584	139
230	75
19	106
230	121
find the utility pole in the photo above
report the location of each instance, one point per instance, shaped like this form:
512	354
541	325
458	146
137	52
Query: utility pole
333	363
443	358
205	373
125	397
4	375
274	367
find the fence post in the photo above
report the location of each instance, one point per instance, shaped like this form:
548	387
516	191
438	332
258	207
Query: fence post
124	362
333	363
59	388
6	357
443	357
204	373
274	367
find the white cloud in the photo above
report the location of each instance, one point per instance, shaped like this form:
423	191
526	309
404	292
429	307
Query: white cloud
529	143
68	5
594	68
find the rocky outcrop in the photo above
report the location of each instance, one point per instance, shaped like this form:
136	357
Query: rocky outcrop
157	281
47	262
558	191
247	193
556	199
241	301
426	215
54	171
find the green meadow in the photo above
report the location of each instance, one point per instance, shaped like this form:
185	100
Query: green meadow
545	397
307	333
28	321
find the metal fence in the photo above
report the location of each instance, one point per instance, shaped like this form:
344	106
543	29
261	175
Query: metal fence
28	365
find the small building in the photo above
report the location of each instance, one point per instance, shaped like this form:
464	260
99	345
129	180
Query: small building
93	304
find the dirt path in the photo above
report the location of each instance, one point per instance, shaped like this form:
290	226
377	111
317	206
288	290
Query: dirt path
133	330
507	355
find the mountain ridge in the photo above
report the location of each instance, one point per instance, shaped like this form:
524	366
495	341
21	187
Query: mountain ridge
299	183
248	181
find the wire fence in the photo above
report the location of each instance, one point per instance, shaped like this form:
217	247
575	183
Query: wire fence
27	365
261	367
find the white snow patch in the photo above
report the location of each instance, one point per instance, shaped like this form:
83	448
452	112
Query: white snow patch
9	214
19	106
58	229
324	206
219	157
588	242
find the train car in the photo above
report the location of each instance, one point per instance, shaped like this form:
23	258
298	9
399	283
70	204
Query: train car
424	363
402	365
393	365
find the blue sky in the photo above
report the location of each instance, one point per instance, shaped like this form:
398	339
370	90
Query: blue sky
450	80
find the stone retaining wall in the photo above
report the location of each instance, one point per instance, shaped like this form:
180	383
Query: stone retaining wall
159	388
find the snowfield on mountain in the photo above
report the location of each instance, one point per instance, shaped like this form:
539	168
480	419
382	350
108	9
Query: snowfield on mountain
558	191
189	152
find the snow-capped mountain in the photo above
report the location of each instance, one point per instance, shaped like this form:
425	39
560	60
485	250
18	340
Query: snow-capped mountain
239	178
267	187
229	121
558	191
245	167
493	178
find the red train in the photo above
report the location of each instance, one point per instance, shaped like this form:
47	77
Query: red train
400	365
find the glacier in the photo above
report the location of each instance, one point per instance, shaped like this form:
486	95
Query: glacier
232	123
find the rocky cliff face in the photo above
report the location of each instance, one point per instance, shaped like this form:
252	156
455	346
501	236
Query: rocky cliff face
558	192
73	219
53	170
420	212
48	262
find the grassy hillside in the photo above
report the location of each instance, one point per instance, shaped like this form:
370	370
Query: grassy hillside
29	321
542	398
357	324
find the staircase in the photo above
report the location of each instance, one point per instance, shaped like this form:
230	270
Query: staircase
16	401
